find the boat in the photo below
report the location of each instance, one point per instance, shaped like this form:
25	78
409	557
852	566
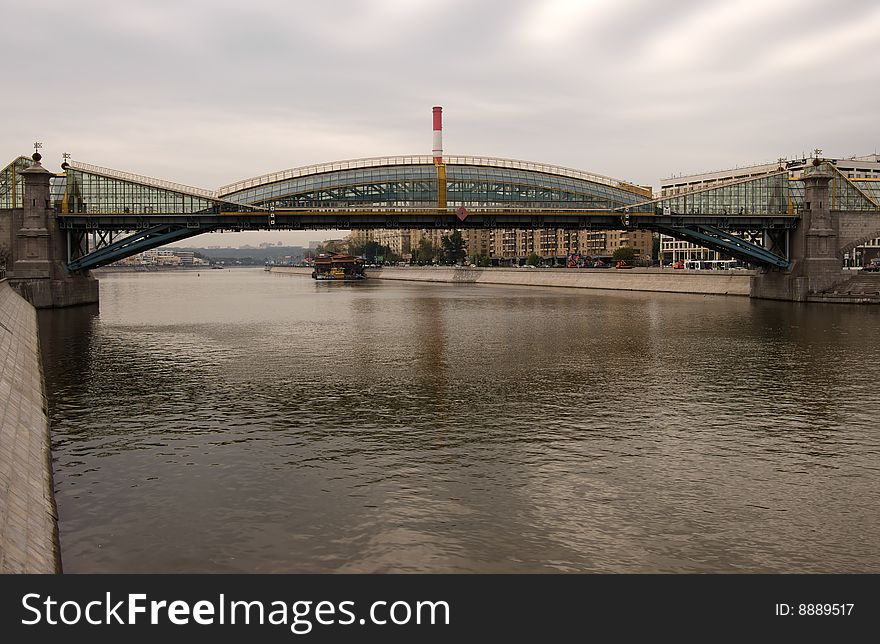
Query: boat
336	266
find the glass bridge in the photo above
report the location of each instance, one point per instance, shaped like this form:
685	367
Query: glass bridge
126	213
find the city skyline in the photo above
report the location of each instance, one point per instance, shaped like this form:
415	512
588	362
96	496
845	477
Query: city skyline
206	94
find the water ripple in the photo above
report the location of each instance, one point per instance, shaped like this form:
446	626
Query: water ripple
244	421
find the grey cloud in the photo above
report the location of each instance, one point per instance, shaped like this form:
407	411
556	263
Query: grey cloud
209	92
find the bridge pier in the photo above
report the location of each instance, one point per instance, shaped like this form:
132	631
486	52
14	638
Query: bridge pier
36	266
816	261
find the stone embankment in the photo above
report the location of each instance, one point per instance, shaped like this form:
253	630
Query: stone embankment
28	525
862	288
636	279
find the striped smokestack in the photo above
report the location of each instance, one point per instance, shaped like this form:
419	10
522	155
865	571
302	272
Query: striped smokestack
438	134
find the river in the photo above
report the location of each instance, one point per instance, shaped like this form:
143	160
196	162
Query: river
245	421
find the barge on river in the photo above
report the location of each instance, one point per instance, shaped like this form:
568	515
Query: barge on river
336	266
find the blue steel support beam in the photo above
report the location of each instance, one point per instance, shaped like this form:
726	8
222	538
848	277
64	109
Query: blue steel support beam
750	248
134	244
717	239
733	242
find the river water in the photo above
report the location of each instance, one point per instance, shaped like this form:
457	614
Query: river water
245	421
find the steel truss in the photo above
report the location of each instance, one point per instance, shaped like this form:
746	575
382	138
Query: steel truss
724	242
111	251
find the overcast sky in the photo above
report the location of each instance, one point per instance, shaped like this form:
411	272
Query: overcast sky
206	93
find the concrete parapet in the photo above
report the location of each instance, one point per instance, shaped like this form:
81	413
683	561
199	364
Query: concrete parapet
28	520
58	293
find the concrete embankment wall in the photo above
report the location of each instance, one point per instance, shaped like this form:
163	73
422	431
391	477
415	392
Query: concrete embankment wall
59	293
28	524
635	279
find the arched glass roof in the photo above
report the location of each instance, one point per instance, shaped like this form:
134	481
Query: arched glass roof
405	180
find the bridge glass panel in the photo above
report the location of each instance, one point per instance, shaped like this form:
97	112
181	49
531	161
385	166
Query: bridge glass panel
57	188
397	193
843	194
796	198
95	194
765	195
388	185
12	184
481	185
846	195
870	187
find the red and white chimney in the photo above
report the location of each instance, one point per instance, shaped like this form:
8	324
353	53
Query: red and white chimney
438	134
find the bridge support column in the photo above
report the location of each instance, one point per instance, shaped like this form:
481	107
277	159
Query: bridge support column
37	269
816	261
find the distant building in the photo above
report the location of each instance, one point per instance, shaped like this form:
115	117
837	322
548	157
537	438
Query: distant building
515	244
399	241
186	257
355	238
163	257
605	242
477	242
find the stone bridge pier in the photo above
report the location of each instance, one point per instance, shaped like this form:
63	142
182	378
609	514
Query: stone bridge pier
36	249
817	245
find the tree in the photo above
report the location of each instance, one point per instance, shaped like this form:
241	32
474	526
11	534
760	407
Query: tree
426	253
453	246
390	256
483	261
624	253
533	259
331	246
372	251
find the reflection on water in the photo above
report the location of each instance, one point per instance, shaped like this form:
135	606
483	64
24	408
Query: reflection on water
248	421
